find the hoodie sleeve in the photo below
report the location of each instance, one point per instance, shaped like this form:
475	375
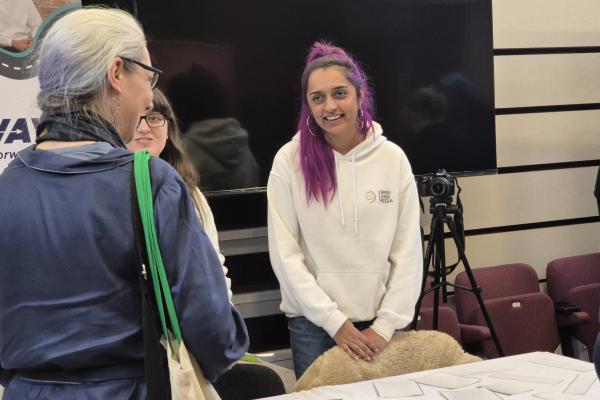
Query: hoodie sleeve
212	328
5	40
406	259
297	283
211	231
34	20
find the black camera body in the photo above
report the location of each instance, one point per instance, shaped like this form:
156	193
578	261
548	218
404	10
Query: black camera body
440	185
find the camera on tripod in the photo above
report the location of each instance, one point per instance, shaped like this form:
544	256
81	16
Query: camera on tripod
440	185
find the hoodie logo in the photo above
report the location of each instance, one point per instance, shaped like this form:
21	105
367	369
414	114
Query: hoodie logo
371	196
383	196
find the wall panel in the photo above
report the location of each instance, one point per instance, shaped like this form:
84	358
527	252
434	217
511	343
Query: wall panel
543	23
549	137
546	79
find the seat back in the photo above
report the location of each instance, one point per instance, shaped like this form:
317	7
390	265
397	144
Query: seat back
568	272
523	318
523	323
588	298
447	321
576	280
498	281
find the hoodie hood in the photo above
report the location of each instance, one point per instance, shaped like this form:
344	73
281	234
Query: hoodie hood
372	141
361	152
223	140
220	152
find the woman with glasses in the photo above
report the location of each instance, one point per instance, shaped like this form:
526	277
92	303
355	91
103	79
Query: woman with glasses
70	303
158	132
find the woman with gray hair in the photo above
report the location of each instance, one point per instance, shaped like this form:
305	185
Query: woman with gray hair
70	304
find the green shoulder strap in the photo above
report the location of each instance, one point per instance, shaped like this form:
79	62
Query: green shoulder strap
160	283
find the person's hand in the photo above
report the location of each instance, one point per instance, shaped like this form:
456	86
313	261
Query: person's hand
21	44
376	339
353	342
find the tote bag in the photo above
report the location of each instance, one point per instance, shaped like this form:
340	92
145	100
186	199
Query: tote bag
185	375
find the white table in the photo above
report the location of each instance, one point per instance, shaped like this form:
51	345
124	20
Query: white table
523	365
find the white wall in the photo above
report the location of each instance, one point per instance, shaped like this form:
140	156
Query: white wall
529	79
546	23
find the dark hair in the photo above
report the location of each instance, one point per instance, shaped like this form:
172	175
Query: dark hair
174	152
316	157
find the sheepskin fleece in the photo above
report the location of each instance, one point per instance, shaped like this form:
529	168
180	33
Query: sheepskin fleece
410	352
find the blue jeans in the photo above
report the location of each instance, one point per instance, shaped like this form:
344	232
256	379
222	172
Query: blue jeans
309	341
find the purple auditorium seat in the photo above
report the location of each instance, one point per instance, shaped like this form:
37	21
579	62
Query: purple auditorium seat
464	334
523	317
574	286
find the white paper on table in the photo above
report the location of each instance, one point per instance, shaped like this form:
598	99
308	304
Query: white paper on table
527	378
552	396
446	381
581	384
484	371
471	394
509	388
327	392
397	389
566	364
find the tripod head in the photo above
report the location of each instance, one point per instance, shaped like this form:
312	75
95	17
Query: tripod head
443	206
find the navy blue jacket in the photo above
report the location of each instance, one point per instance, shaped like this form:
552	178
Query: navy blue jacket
69	290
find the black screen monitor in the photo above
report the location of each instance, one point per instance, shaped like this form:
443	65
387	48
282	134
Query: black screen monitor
235	65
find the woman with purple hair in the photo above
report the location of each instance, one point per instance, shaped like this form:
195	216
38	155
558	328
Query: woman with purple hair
344	236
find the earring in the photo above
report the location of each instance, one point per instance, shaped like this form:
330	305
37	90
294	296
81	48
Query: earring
114	114
361	117
308	126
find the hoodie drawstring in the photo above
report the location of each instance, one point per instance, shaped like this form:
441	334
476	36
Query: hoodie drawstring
354	194
340	201
355	199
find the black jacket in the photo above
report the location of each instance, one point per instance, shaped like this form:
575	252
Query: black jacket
597	189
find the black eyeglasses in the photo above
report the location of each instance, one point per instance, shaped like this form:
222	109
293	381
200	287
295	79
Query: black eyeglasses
156	73
153	120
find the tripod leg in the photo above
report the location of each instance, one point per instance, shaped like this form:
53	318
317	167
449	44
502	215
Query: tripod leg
426	261
476	290
440	262
440	281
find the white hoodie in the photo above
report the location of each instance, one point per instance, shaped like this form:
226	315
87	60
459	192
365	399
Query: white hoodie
361	256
